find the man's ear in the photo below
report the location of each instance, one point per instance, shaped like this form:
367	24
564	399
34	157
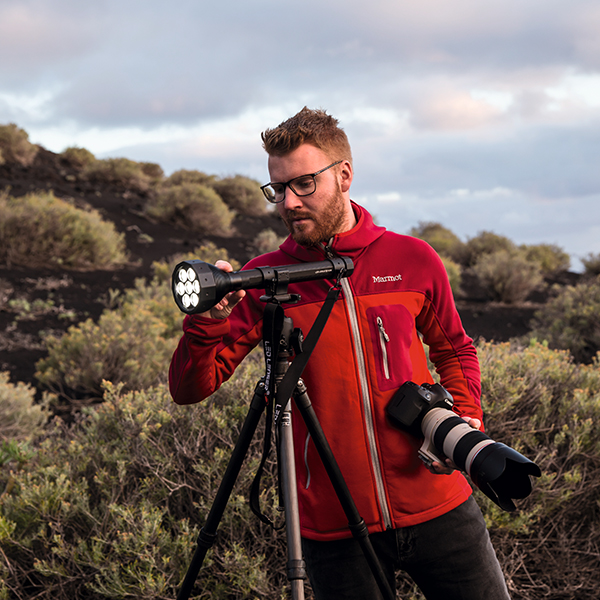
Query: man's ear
346	174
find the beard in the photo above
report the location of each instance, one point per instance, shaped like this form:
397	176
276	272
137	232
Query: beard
320	226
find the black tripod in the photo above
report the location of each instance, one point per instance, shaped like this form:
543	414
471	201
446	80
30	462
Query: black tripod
286	341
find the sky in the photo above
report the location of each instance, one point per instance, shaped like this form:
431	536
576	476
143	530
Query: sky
481	116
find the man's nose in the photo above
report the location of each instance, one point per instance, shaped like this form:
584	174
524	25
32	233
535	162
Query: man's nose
290	200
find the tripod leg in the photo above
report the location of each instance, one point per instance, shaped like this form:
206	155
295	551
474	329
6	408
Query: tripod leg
209	532
296	571
355	521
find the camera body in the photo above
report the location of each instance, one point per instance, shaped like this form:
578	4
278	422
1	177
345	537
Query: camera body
499	471
409	407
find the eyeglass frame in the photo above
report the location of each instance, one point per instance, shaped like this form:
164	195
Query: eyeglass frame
287	184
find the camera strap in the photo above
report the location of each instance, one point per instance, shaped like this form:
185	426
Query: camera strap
278	396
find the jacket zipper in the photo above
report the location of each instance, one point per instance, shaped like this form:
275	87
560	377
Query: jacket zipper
366	399
384	340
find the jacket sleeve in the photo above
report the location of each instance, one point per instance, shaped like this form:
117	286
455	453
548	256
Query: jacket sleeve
209	352
450	349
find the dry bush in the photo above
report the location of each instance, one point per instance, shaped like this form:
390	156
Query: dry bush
78	157
153	170
112	507
539	402
591	263
132	342
192	206
441	239
267	241
571	320
20	416
242	195
41	230
507	276
121	172
453	270
486	242
551	258
190	176
15	146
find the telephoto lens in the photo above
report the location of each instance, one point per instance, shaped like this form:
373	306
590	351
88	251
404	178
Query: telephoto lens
500	472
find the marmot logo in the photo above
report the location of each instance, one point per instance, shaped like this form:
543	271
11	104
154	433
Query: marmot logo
386	278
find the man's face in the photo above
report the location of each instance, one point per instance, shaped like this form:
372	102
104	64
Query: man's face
315	218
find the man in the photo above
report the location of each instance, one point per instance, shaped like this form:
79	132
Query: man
421	520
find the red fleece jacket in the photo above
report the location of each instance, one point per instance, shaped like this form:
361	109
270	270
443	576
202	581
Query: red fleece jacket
398	295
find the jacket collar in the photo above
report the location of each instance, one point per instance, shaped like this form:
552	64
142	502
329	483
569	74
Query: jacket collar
350	243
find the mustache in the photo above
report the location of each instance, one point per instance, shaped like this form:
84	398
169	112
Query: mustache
293	215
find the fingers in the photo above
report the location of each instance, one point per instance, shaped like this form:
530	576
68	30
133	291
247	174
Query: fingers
473	422
223	308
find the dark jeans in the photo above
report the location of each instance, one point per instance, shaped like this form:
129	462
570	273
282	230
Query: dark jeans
449	558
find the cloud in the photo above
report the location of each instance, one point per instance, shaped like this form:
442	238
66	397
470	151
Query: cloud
448	106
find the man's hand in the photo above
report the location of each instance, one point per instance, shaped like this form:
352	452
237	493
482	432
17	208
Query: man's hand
447	467
223	308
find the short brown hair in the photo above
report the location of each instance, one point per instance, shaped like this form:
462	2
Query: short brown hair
309	126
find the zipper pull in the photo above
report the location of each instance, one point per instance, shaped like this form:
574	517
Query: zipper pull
382	330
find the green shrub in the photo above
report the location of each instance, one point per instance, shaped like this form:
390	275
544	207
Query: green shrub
507	276
192	206
190	176
132	342
153	170
40	229
453	271
242	195
550	257
121	172
15	146
20	417
591	263
267	241
539	402
486	242
112	508
78	157
441	239
571	320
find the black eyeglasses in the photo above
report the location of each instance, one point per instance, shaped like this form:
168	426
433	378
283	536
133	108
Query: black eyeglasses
305	185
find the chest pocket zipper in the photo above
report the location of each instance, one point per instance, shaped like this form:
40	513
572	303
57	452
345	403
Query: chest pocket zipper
384	340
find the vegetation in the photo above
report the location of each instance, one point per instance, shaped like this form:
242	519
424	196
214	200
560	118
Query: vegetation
549	257
110	508
79	158
242	195
193	206
15	146
131	343
20	416
453	271
41	230
546	406
190	176
267	241
441	239
571	320
120	172
591	263
507	275
486	242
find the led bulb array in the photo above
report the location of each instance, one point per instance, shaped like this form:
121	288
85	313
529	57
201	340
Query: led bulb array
188	287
